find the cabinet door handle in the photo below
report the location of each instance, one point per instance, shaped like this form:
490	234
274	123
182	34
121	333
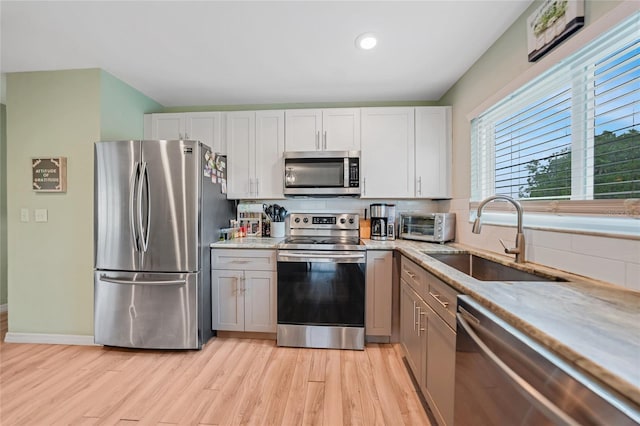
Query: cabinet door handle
186	136
437	297
420	185
420	315
318	140
411	274
414	315
325	139
257	187
364	186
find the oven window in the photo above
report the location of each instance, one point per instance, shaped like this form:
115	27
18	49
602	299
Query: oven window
316	173
321	293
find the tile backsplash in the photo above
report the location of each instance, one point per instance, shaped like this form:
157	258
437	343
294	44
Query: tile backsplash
352	205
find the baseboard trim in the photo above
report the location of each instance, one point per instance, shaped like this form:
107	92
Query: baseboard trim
49	339
4	308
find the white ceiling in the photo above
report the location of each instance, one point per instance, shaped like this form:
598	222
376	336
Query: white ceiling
239	52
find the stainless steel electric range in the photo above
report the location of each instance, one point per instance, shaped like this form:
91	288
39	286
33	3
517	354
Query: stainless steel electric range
321	283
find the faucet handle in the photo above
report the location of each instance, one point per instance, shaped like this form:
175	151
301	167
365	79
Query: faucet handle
507	249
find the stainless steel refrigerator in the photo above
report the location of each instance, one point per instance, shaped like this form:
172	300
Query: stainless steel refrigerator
156	211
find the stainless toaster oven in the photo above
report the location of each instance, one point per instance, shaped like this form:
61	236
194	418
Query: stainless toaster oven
430	227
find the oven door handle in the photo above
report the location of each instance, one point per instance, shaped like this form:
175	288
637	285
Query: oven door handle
336	258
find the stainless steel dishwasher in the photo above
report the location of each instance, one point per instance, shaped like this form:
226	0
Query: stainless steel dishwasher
503	377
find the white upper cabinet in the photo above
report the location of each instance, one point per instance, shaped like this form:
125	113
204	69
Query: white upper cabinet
406	152
255	141
387	158
334	129
205	127
303	128
433	152
241	143
341	129
269	166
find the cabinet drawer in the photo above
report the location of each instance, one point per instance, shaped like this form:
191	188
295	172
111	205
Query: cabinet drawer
243	259
414	275
442	298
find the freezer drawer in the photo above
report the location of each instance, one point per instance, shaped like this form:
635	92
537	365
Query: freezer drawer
146	310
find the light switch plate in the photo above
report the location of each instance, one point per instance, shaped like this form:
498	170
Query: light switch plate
41	215
24	215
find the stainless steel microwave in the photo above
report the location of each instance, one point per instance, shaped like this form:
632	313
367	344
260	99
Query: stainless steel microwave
431	227
322	173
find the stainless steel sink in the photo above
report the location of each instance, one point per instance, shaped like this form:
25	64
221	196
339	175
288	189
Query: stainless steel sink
488	270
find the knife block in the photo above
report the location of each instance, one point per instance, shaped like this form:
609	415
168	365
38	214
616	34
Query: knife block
365	228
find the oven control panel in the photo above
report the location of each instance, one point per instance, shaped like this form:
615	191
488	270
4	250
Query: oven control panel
324	220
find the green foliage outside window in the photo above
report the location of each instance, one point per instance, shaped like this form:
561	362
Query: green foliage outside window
616	170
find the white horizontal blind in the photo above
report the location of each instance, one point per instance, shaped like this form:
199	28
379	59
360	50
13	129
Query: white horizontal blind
616	125
573	133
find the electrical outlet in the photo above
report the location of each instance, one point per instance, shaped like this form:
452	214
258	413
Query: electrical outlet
41	215
24	215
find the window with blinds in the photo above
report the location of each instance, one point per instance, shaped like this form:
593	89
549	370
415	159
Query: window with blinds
572	134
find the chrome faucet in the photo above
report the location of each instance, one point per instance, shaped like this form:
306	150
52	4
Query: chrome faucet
518	250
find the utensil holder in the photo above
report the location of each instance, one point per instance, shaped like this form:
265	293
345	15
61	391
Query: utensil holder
277	229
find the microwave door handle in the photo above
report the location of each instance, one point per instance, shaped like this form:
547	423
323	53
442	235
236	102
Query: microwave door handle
346	170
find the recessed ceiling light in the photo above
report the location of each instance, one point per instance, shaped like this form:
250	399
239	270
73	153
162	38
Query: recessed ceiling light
366	41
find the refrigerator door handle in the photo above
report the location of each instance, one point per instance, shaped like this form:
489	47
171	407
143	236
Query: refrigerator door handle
135	180
144	234
147	187
105	278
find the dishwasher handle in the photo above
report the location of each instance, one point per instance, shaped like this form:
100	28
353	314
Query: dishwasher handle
547	407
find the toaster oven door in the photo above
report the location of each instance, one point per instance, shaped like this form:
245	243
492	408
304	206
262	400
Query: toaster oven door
419	227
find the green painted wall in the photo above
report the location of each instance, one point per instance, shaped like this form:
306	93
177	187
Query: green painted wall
3	204
59	113
121	107
50	277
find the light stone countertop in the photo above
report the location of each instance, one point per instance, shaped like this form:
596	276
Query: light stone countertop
249	243
593	325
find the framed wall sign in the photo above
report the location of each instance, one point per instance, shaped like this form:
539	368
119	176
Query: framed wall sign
552	23
49	174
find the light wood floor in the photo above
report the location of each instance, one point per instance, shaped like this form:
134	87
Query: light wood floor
231	381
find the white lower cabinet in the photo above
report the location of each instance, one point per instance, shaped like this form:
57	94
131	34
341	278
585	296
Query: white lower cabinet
428	337
243	290
378	291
